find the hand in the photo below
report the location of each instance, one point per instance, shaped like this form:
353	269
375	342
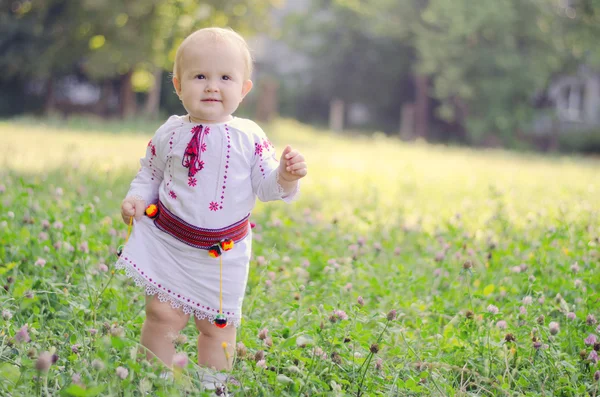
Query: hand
292	165
132	206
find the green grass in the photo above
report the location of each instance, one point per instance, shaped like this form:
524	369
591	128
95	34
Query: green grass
396	224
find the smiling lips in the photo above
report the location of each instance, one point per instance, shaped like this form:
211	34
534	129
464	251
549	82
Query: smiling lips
211	100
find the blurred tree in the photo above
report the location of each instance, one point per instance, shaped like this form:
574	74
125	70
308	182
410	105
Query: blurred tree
348	62
40	41
396	21
123	44
575	28
486	59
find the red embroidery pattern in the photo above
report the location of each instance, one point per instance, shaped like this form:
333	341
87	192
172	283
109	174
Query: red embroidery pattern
227	156
264	148
171	141
169	163
153	154
267	143
193	151
192	181
258	149
172	194
213	206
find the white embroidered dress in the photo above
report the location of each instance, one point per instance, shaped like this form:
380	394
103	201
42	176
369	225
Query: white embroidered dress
235	163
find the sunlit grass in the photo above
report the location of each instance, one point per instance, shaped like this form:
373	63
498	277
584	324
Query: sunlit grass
429	181
436	233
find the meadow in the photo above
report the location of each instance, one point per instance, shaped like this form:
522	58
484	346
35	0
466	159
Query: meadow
404	269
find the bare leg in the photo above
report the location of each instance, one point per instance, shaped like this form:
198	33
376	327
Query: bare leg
162	325
211	352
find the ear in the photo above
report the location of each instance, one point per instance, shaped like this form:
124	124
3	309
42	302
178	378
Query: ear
246	88
177	85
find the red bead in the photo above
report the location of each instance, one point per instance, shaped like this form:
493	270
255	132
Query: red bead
220	321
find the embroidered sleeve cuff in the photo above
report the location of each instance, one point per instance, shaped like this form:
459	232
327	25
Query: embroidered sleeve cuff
136	197
290	196
147	198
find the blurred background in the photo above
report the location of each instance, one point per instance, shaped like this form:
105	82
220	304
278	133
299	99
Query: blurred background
520	74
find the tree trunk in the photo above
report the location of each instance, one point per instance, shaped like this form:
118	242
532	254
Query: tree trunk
127	96
101	107
422	106
49	99
591	101
153	101
407	121
553	141
336	115
266	108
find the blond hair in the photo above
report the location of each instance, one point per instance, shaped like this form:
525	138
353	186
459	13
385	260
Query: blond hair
215	35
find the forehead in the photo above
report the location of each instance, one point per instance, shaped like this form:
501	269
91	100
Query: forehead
221	54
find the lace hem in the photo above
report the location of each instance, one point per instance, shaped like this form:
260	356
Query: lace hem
294	194
136	197
175	303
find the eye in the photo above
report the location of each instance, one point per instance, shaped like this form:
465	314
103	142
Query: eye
226	77
200	76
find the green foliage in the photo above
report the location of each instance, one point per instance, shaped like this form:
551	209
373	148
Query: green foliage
587	141
416	236
488	59
104	39
349	61
40	39
579	24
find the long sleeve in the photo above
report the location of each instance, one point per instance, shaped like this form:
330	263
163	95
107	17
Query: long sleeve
147	181
265	172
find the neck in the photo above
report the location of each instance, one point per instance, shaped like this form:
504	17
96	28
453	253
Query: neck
192	119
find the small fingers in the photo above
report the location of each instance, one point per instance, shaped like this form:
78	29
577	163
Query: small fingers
140	207
298	158
286	151
127	208
295	168
301	172
291	154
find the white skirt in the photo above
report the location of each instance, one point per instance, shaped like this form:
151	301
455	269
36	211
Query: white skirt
185	276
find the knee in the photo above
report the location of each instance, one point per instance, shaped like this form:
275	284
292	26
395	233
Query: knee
163	313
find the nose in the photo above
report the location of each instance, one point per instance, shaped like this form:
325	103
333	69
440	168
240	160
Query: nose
211	86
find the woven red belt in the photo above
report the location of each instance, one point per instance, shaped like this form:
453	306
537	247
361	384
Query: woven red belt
196	236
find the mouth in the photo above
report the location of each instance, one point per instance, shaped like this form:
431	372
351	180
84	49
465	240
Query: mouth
210	100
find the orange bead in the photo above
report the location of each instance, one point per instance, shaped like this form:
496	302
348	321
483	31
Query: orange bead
227	245
152	210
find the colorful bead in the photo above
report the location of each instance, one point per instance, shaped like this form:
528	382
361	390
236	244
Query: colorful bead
220	320
227	244
152	211
215	251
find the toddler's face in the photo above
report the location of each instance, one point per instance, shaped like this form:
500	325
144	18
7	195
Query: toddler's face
212	81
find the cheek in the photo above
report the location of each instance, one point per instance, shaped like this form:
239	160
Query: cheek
190	90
